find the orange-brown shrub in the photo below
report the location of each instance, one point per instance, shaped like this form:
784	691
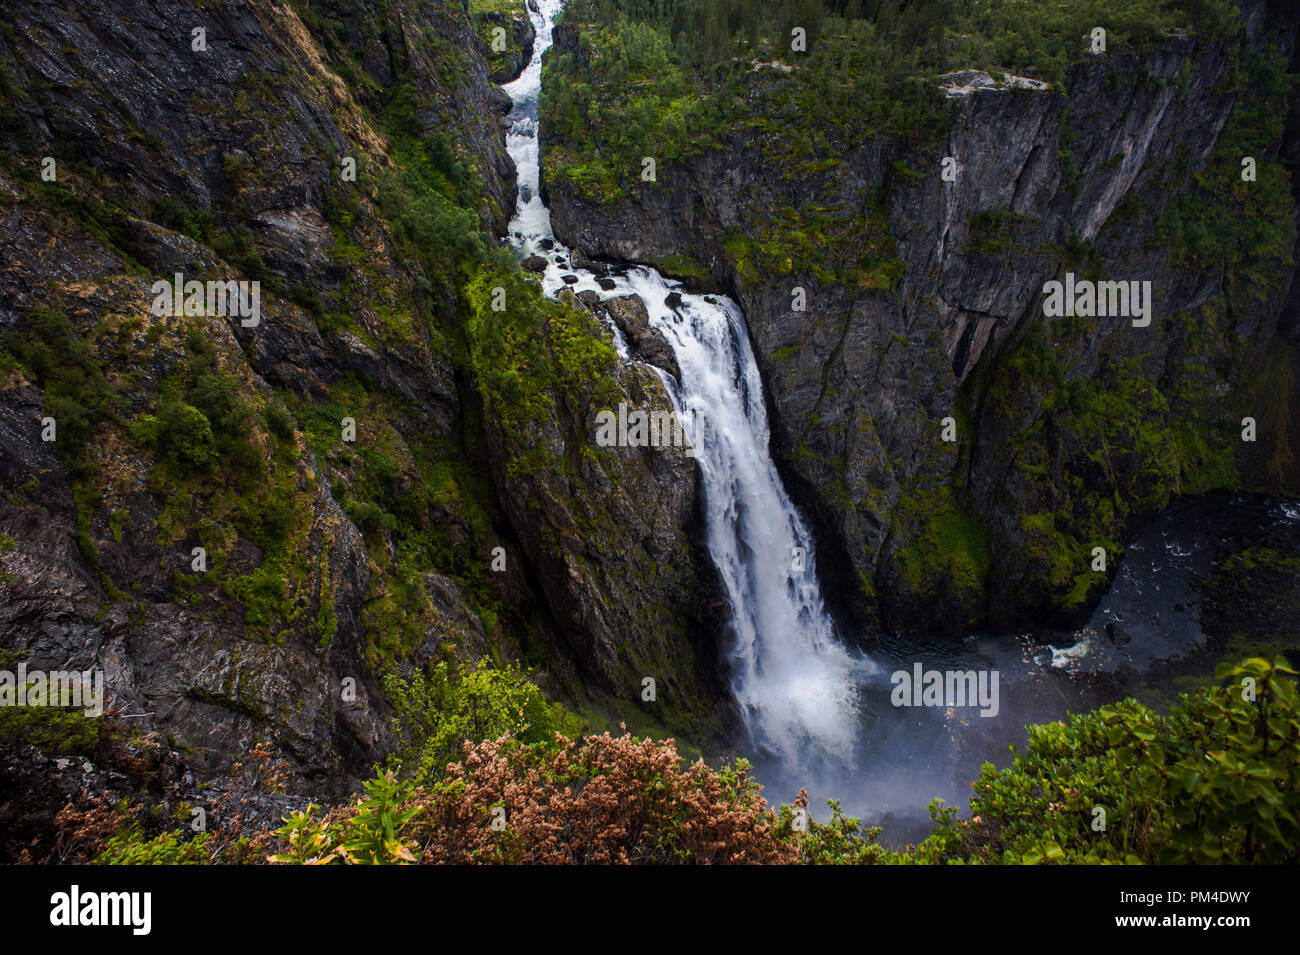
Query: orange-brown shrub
599	800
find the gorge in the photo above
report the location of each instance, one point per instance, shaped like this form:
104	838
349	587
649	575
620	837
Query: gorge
424	521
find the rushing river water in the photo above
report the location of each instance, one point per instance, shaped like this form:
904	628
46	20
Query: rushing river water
796	684
820	714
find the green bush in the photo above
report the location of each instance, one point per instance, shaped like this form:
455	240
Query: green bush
68	369
1217	780
183	433
437	712
131	847
280	421
57	730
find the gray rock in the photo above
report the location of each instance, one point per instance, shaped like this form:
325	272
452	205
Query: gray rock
647	343
878	368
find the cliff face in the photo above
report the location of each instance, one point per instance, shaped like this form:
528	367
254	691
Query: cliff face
329	559
924	303
614	534
506	42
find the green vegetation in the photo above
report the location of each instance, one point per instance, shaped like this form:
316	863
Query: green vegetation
131	846
947	560
1242	227
683	267
78	394
993	231
671	78
200	417
486	16
1217	780
836	245
1107	447
438	712
57	730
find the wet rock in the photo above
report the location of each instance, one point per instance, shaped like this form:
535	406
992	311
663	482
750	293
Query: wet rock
646	342
535	263
582	261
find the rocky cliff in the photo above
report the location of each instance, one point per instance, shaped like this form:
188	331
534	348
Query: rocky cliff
923	281
244	525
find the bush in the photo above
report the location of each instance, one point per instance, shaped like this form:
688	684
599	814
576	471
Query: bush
76	392
132	847
367	834
1218	780
183	433
437	713
279	421
57	730
600	800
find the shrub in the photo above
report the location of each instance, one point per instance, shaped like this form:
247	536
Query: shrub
76	392
437	713
131	847
184	434
1218	780
279	420
600	800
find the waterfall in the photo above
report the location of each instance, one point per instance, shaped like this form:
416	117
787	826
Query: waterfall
795	683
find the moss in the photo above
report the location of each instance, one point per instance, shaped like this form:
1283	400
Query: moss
993	231
591	178
904	171
739	249
56	730
1058	560
786	353
831	244
683	267
947	559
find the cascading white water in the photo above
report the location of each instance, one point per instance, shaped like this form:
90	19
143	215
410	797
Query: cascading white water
795	683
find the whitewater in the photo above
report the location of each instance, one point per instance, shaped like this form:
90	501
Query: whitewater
795	682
